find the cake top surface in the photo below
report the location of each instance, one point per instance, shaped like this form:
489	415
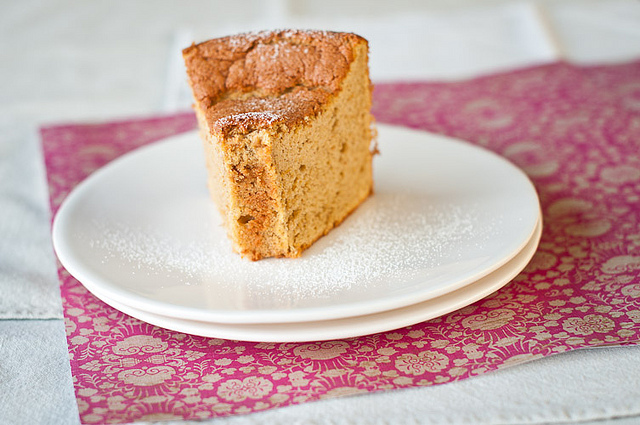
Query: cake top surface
255	80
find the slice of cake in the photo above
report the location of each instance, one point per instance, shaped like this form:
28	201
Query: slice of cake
287	130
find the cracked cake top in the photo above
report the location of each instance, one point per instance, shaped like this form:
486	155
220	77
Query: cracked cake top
252	81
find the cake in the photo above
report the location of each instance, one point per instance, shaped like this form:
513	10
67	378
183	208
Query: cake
285	120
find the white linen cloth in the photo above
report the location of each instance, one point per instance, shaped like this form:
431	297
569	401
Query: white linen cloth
67	60
28	278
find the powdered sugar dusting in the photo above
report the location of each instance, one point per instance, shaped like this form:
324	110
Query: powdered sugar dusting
266	117
246	39
392	241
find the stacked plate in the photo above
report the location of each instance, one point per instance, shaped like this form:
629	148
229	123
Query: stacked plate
449	223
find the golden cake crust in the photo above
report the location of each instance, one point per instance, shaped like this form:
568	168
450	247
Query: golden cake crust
255	81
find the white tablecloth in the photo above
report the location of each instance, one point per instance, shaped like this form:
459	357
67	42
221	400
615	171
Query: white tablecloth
76	61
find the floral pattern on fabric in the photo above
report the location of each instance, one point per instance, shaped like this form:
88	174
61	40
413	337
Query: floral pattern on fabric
575	132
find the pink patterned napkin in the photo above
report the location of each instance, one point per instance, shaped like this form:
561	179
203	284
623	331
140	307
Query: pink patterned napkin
575	131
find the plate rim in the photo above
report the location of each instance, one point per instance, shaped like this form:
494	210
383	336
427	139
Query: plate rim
480	289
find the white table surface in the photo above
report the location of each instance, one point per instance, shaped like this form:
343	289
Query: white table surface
76	61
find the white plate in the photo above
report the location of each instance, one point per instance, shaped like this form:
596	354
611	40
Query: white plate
351	326
143	232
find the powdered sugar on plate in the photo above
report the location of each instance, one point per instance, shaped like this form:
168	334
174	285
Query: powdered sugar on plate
443	215
392	236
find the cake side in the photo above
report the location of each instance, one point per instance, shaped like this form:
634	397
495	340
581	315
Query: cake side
325	166
242	182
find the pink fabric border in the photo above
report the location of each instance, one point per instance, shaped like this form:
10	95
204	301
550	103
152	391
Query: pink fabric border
573	130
